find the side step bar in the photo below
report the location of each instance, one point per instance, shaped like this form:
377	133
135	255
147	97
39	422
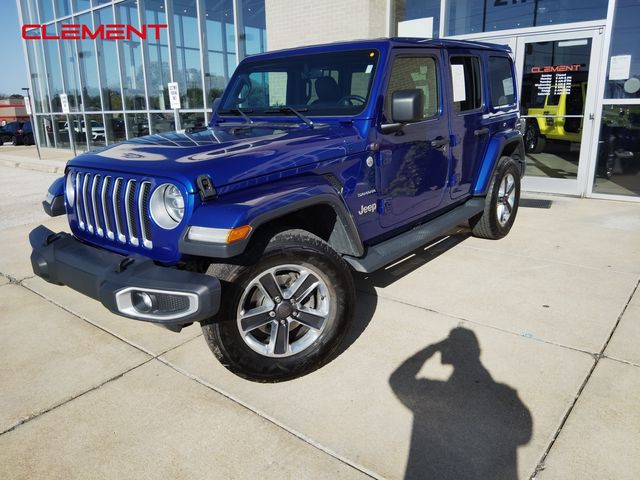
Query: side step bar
395	248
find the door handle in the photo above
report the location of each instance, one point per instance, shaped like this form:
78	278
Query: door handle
481	131
439	142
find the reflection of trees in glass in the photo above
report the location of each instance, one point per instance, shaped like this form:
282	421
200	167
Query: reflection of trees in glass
158	75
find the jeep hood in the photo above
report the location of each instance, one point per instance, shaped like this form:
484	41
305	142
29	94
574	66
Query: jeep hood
229	154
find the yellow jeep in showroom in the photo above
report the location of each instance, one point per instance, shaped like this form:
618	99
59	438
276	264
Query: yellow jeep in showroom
560	118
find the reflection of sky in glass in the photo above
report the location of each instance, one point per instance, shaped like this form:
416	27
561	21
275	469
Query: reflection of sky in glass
46	10
414	9
473	16
131	59
63	7
88	68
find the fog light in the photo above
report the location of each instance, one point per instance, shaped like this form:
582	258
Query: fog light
152	304
143	302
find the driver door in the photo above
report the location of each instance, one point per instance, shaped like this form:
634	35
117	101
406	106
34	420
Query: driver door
415	161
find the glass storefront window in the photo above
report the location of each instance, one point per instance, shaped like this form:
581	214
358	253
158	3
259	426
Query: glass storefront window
95	130
63	8
45	8
138	124
88	69
162	122
475	16
618	167
28	8
107	64
254	35
131	59
158	74
187	67
45	130
80	5
56	133
417	18
53	70
221	47
191	119
623	74
114	127
70	71
67	128
38	87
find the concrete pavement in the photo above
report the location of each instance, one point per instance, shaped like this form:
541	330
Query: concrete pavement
510	359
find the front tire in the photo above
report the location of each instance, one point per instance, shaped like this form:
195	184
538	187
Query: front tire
284	315
501	204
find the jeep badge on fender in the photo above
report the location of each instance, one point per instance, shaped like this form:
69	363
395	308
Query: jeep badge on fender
253	225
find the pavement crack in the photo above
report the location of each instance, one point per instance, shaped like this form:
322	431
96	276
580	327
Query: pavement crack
597	357
84	319
67	400
308	440
528	336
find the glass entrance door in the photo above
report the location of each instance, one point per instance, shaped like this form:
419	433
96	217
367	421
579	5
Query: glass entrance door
558	102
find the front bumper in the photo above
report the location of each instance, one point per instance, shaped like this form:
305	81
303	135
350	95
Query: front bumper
133	286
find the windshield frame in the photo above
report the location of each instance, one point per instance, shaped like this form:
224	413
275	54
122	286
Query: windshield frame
247	66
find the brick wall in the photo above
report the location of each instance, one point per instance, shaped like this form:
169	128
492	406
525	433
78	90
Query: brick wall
308	22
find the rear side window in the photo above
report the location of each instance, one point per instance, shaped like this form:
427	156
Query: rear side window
501	82
410	73
467	85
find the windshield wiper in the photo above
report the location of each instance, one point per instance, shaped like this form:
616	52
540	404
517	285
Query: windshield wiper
286	108
240	111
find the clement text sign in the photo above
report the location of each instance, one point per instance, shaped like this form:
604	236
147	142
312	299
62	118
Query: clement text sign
76	31
556	68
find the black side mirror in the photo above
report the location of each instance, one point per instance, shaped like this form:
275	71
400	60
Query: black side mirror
407	106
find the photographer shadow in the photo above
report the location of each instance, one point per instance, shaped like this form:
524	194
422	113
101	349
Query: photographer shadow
467	427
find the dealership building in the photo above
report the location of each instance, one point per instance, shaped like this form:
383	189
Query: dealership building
578	64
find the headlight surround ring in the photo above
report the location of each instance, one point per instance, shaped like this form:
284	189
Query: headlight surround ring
70	191
167	206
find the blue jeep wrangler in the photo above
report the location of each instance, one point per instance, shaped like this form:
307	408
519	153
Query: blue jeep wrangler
317	161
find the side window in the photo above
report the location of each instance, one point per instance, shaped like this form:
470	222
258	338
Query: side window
414	73
501	81
467	86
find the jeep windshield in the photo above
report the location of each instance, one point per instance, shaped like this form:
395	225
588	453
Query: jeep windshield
323	84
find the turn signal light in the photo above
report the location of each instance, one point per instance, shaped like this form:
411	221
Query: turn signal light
238	233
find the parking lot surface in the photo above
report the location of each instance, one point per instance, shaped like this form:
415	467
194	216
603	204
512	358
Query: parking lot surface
471	359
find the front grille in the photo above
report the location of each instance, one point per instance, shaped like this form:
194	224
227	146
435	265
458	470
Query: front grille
113	207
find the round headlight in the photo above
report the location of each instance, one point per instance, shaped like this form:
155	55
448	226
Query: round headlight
167	206
70	190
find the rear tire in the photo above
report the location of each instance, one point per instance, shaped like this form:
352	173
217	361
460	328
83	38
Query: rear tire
534	142
501	204
284	315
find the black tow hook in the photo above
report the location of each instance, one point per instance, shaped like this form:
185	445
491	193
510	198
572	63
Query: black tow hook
52	238
122	266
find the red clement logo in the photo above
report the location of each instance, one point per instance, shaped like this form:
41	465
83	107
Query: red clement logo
556	68
75	31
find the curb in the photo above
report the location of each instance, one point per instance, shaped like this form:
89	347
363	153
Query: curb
39	167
